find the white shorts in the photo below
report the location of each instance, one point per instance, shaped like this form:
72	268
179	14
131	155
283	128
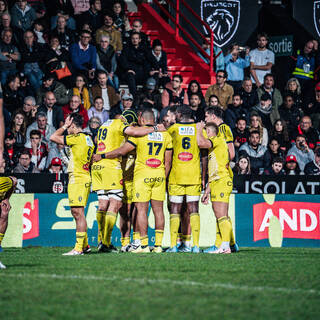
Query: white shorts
116	194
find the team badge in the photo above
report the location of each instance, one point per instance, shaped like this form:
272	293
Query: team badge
222	17
80	199
221	194
101	147
57	187
316	16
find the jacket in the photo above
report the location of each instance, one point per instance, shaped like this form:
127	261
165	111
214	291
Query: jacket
135	59
276	102
115	37
57	115
59	90
81	110
20	169
157	65
232	113
291	116
96	91
249	99
170	97
23	20
83	59
302	156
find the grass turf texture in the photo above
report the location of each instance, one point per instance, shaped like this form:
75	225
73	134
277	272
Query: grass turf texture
256	283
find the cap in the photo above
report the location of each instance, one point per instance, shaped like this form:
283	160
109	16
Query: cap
151	83
127	96
291	158
130	116
9	135
317	86
56	162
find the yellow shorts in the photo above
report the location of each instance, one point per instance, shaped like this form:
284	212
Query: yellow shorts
78	190
106	178
221	189
183	189
149	188
5	185
127	191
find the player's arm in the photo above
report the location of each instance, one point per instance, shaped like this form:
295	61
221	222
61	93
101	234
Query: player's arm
167	161
265	67
58	136
232	153
206	195
203	143
253	73
116	153
204	166
142	131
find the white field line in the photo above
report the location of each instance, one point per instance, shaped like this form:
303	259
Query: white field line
183	283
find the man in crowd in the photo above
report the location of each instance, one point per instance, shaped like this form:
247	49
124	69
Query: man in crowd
240	134
136	27
265	111
65	35
235	111
249	96
221	89
173	93
93	17
75	106
25	165
29	110
313	167
196	108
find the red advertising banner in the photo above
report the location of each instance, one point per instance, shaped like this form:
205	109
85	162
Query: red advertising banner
31	220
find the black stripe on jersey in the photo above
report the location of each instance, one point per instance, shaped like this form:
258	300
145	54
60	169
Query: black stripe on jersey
229	142
65	139
169	148
132	143
4	184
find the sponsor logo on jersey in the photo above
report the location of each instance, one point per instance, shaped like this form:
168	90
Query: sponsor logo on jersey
86	166
155	136
185	156
89	141
101	147
153	163
187	131
107	123
151	180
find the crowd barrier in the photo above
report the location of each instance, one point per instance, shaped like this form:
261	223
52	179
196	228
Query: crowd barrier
259	220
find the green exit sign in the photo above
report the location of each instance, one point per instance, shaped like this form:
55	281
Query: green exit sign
281	46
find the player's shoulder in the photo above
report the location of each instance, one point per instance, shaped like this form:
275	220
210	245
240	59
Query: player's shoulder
186	128
109	122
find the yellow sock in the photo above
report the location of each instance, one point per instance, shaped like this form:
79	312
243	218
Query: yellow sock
1	237
218	235
232	238
144	241
159	237
110	221
125	241
174	228
85	241
195	228
225	229
101	216
136	236
80	236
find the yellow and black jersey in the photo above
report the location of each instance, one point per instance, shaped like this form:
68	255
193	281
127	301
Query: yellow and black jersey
225	132
185	168
5	185
151	150
218	159
81	150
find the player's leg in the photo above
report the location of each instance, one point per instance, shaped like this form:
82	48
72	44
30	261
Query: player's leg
125	225
4	214
185	228
142	225
157	208
136	232
175	219
193	208
103	203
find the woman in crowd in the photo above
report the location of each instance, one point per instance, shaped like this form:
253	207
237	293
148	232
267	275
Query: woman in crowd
3	7
293	87
121	21
97	110
292	166
280	132
93	127
80	89
256	124
242	166
194	87
214	101
19	127
274	149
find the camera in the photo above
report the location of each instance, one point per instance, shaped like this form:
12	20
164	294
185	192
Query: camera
301	145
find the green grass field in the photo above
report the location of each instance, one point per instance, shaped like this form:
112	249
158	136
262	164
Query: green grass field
256	283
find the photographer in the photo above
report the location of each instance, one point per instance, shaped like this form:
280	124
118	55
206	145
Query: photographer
235	65
301	151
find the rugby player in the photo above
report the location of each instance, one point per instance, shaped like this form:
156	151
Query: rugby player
107	177
184	178
81	151
215	115
7	186
154	153
220	181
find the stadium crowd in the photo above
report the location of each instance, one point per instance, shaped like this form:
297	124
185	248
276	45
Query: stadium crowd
60	57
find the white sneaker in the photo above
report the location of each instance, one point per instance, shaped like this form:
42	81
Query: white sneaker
73	252
221	250
2	266
125	248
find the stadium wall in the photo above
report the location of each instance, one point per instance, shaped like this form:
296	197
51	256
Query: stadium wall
259	220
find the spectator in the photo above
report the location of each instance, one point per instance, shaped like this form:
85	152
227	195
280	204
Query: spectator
235	111
136	27
25	165
18	128
40	32
259	158
80	6
301	151
266	111
242	166
126	103
240	134
149	96
37	149
58	151
65	35
218	54
93	16
12	95
52	110
25	86
93	127
279	131
109	30
292	166
313	167
10	152
256	124
121	21
49	84
33	57
3	7
248	95
158	64
194	87
221	89
6	25
55	7
261	60
173	93
134	61
75	106
274	149
22	15
97	110
55	166
84	55
235	66
213	101
9	56
312	107
107	62
195	105
293	87
42	125
29	110
70	21
81	90
107	92
276	168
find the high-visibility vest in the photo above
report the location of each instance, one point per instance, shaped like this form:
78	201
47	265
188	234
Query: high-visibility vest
304	68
